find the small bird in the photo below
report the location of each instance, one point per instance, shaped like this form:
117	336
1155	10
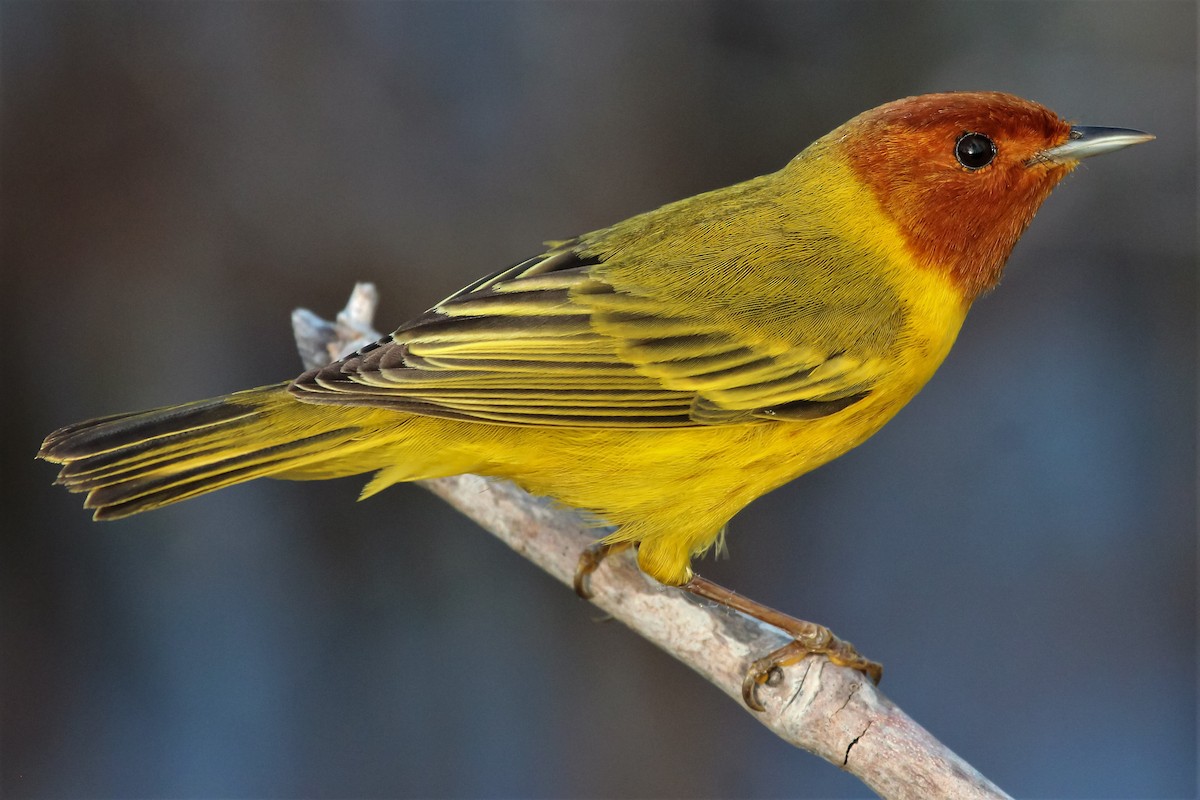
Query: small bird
665	371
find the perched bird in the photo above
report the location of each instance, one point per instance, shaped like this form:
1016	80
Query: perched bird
665	371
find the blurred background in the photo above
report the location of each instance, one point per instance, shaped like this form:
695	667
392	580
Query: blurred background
1018	546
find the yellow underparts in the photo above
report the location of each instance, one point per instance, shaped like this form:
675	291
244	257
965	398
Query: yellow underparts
673	490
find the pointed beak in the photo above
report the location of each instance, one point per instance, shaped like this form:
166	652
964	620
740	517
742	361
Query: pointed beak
1086	141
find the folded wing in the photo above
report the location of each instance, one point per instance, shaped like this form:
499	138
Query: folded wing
551	342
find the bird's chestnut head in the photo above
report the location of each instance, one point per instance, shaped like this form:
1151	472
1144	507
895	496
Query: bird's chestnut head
962	174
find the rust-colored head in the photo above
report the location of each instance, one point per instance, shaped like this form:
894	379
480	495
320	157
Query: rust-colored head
960	174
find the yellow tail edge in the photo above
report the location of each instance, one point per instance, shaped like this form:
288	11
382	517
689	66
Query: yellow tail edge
129	463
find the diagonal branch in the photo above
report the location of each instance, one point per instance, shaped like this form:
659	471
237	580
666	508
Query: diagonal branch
830	711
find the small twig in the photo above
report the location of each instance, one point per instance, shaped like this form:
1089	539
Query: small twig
830	711
321	342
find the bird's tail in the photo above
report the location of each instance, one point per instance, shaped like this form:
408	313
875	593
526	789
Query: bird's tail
135	462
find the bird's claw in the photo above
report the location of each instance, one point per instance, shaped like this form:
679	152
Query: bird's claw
768	670
589	561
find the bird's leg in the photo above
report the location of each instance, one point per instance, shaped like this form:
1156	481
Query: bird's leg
807	638
589	562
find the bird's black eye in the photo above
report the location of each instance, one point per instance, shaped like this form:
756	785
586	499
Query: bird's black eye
974	150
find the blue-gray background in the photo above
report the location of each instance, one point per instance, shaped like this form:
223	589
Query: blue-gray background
1018	546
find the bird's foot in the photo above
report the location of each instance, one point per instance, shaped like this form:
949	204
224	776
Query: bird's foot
808	638
590	561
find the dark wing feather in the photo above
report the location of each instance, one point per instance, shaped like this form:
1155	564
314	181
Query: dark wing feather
549	342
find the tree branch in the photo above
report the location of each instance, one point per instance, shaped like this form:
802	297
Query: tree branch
830	711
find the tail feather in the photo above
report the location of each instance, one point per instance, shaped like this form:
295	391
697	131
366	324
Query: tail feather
144	490
106	434
130	463
104	457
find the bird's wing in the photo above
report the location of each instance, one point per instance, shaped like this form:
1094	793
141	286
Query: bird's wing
551	342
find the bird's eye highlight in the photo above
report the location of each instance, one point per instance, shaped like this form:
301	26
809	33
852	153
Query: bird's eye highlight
974	150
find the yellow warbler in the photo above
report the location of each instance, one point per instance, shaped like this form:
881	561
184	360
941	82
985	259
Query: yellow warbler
662	372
